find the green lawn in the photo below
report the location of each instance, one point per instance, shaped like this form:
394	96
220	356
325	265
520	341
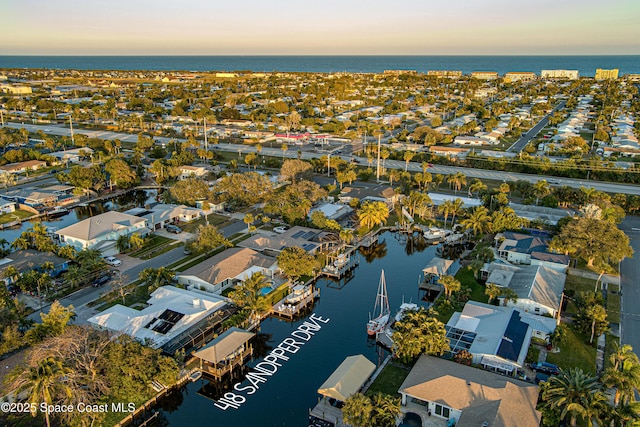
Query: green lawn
466	278
389	380
153	247
219	221
575	352
12	216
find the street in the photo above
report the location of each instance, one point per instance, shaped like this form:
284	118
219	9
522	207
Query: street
519	145
630	287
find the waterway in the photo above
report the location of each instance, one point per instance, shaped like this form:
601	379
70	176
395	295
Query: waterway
287	396
135	198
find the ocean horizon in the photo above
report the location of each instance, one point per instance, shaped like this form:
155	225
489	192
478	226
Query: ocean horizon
585	64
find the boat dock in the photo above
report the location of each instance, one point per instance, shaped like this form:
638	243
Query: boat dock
287	311
340	265
384	338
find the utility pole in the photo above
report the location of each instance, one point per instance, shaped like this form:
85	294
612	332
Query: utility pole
2	118
328	164
206	144
378	162
71	127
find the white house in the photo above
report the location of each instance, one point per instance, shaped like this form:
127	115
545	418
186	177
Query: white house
160	214
520	248
497	337
189	171
539	288
101	232
170	312
227	269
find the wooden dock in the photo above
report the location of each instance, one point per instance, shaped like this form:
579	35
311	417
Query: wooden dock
290	311
339	266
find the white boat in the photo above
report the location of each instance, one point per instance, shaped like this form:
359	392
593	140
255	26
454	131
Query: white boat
195	376
299	293
435	233
380	309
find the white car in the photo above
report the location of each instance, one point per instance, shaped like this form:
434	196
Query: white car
113	261
280	230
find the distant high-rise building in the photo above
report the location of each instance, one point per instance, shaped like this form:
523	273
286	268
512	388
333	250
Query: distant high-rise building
485	75
524	76
633	77
400	72
559	74
444	73
602	74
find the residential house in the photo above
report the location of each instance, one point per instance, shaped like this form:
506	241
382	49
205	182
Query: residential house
518	248
170	314
192	171
498	338
22	167
379	193
472	140
539	288
309	239
101	232
227	269
72	155
30	259
335	211
467	397
7	207
451	152
158	215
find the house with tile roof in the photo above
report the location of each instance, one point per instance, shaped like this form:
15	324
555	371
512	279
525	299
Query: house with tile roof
518	248
101	232
466	396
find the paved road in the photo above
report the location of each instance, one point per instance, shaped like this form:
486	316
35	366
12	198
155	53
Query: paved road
519	145
242	150
630	287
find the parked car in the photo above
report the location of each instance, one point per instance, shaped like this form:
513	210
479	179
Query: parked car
173	229
101	280
547	368
280	230
112	261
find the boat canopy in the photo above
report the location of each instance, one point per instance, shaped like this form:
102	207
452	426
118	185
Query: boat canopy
347	378
224	346
438	266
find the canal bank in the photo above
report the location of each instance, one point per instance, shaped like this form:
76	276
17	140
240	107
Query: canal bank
286	397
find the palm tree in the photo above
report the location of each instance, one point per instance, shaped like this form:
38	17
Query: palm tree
417	333
393	175
509	295
247	295
74	276
559	335
136	241
386	410
21	243
122	244
372	214
493	291
456	207
476	185
589	193
457	181
569	392
44	383
248	219
541	189
408	155
479	221
157	277
284	149
346	235
450	285
623	374
445	209
357	410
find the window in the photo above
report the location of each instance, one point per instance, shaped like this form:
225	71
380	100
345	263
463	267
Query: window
537	310
443	411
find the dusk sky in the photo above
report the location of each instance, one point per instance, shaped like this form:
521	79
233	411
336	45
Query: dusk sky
329	27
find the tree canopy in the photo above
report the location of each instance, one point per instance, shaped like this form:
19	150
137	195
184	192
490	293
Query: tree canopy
295	262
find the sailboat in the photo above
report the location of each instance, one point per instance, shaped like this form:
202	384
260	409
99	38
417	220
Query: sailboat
380	309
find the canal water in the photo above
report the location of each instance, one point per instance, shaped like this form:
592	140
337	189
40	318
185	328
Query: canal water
135	198
287	396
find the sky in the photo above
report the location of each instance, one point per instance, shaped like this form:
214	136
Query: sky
320	27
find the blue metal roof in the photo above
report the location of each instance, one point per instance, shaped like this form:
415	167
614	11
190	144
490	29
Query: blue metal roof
513	338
